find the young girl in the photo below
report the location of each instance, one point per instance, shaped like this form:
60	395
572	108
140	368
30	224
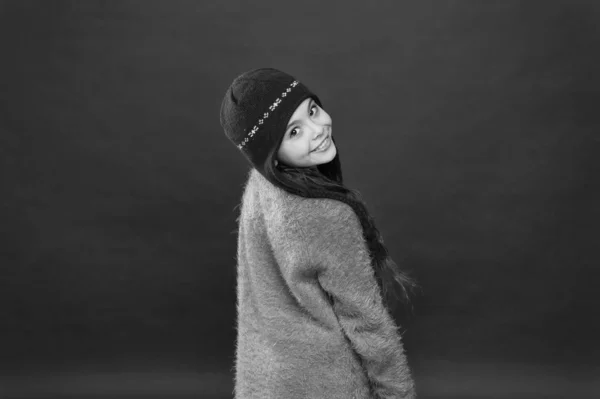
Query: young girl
314	278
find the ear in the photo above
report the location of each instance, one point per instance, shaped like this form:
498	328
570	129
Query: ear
276	162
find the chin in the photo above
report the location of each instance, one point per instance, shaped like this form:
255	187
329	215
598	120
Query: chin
331	154
327	159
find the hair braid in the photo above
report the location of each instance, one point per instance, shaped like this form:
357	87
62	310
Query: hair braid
326	181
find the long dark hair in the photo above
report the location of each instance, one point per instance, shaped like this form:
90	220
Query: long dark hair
326	181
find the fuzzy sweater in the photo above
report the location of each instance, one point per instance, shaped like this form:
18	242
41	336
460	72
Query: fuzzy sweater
310	319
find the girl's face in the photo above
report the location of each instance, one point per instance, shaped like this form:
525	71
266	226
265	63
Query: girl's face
307	140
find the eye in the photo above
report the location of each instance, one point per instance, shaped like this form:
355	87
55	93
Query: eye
314	110
294	132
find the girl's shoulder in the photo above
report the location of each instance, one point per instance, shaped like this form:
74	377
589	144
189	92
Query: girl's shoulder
278	204
326	209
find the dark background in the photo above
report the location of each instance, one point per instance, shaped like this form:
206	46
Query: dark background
470	128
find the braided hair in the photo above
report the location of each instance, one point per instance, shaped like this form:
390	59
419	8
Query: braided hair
326	181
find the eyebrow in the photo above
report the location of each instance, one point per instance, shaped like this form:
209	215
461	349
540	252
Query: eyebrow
296	121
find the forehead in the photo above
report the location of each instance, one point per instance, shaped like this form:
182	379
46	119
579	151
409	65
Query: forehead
300	110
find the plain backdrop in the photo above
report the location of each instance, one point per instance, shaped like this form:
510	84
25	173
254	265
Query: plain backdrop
471	129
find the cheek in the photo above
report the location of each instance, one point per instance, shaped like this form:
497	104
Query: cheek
290	151
303	149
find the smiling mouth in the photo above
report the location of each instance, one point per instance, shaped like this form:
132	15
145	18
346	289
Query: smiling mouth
322	141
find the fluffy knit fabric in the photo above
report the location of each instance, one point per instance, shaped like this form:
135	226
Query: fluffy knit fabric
310	319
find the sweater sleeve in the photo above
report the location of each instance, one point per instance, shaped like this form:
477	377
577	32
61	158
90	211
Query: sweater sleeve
336	244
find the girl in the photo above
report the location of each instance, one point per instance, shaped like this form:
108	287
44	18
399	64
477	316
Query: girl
314	278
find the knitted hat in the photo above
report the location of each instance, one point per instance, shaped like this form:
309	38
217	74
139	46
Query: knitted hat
257	108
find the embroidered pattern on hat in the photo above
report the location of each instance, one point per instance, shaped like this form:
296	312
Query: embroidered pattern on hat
262	120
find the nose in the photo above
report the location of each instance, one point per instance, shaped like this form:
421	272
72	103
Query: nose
319	132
